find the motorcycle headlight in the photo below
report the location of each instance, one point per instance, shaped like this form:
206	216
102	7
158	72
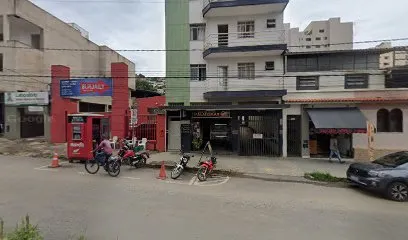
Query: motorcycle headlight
376	174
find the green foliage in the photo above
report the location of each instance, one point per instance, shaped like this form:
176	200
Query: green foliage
322	177
197	142
25	231
142	84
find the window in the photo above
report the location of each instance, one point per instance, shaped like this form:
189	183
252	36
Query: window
321	31
396	120
308	39
198	72
386	64
271	23
1	62
246	29
393	159
325	38
317	46
307	83
383	120
246	70
386	57
269	66
1	37
308	46
356	81
197	32
389	121
318	38
35	41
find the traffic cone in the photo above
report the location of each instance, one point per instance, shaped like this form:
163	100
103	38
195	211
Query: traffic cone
162	174
55	161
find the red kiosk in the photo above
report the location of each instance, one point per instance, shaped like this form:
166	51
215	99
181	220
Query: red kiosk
84	132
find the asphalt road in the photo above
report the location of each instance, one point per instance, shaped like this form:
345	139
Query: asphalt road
66	202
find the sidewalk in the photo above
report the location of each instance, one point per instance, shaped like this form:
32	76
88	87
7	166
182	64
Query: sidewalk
295	167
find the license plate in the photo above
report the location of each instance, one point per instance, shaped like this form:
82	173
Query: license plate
354	178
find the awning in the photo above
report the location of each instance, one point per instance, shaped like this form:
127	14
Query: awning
338	120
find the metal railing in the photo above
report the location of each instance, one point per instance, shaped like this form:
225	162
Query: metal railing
235	39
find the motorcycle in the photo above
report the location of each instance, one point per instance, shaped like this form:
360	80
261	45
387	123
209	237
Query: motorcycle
181	165
206	167
130	157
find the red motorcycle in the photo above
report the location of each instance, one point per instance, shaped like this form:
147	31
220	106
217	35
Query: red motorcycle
129	156
205	168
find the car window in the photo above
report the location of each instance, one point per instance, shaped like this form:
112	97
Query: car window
393	160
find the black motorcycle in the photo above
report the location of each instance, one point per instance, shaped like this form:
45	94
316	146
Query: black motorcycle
181	165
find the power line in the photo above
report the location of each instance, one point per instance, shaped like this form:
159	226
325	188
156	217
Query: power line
189	50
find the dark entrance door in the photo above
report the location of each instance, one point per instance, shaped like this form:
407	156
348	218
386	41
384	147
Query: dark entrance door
223	35
294	141
31	125
260	133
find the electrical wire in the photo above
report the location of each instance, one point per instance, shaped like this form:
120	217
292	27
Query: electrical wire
190	50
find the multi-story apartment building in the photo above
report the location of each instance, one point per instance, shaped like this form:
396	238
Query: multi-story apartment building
394	57
232	66
238	86
326	35
27	36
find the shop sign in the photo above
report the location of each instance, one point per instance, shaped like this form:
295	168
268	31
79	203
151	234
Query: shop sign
76	119
257	136
26	98
211	114
35	109
86	87
339	131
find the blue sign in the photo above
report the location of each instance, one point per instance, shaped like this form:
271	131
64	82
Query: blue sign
86	87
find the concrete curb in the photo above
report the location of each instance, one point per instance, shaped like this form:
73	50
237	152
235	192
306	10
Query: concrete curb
264	177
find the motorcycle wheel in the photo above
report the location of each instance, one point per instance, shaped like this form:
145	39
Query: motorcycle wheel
92	166
202	173
113	168
176	172
141	163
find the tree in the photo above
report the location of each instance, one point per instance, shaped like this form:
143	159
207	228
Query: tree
142	84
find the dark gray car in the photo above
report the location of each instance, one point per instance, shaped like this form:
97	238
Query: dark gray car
387	175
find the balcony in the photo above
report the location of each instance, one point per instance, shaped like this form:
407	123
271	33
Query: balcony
254	44
223	8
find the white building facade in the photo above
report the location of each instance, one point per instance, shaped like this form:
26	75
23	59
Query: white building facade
27	36
249	95
331	34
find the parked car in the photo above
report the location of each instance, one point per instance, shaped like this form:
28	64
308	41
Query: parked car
220	132
387	175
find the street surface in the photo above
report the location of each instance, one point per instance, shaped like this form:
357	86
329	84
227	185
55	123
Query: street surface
68	201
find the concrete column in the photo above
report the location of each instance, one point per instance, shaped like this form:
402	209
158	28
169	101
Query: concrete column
120	100
305	133
12	122
284	133
6	28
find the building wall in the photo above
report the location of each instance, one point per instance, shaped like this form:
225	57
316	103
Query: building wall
384	143
54	34
335	32
262	35
177	62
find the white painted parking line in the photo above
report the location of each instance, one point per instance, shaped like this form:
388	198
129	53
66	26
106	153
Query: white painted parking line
47	168
192	181
209	183
131	178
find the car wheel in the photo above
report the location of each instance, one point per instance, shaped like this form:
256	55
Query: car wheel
398	191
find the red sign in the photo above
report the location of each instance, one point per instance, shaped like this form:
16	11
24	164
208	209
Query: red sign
340	131
94	87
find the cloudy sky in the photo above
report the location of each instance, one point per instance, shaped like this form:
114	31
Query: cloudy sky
139	24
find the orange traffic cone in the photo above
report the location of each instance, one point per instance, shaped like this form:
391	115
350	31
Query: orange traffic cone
55	161
162	174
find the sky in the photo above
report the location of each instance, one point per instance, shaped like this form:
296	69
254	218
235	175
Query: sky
139	24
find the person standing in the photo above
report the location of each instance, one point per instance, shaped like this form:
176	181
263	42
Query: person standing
334	149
